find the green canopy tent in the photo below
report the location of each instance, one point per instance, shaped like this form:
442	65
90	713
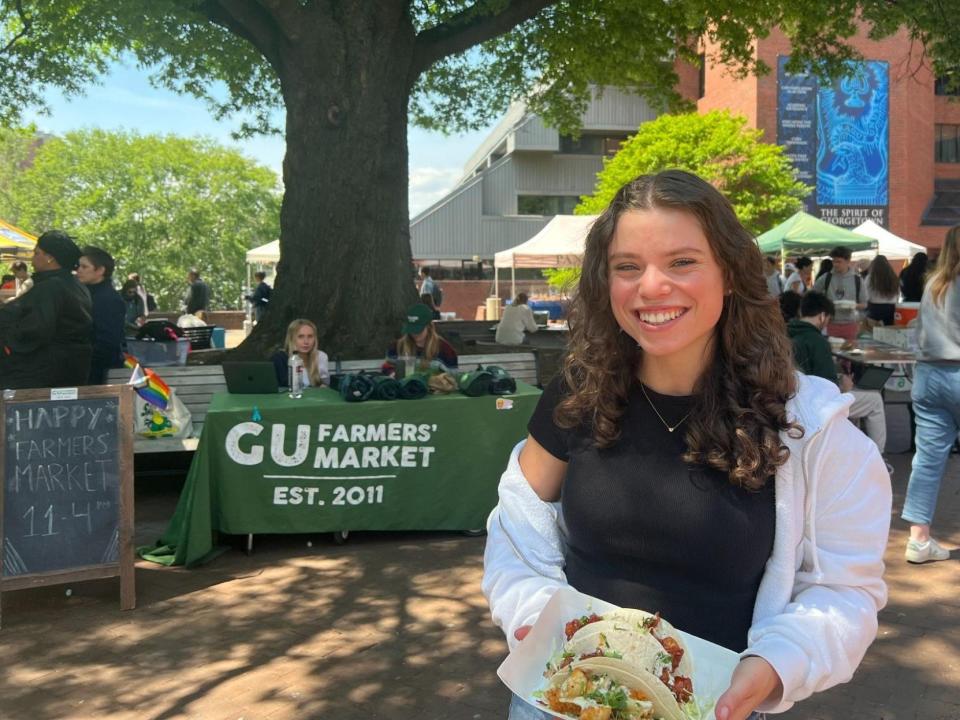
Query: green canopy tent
805	233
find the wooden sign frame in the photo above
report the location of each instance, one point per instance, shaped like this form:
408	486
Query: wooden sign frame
124	567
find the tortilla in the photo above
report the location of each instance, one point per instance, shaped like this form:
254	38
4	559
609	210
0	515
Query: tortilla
662	630
589	687
635	641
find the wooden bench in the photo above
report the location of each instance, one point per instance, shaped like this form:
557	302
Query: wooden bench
195	385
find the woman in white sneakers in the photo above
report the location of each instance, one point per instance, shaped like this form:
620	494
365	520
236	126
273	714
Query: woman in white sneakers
936	399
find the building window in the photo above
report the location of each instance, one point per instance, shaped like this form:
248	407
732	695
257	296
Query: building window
946	147
546	204
592	144
941	86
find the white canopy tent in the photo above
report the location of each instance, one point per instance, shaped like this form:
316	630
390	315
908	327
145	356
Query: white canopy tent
265	254
559	244
888	244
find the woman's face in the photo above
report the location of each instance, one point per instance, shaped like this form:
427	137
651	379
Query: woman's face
306	339
88	273
666	287
421	337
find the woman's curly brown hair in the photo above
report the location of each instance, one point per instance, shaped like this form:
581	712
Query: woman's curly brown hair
739	406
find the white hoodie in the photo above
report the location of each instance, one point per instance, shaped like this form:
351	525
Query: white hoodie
816	609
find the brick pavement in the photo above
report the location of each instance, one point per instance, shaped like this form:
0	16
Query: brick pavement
386	626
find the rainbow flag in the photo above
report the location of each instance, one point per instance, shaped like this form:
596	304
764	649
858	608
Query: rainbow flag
147	384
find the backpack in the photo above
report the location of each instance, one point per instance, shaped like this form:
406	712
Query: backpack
856	277
437	295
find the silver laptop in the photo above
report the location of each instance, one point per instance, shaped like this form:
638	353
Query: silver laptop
250	377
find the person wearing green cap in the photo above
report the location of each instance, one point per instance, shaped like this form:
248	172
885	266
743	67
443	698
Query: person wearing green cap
420	339
45	333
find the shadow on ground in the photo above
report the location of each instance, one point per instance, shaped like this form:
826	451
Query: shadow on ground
386	626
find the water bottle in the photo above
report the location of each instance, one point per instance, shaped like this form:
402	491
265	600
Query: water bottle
295	370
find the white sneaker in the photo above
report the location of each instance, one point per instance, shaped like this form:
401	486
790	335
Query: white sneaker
918	552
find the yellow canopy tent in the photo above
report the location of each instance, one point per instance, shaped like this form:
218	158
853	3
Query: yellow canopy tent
15	243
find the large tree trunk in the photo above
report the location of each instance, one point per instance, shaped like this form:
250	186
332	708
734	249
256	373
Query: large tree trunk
345	259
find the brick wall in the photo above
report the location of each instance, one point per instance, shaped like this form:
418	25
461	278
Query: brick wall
913	112
464	296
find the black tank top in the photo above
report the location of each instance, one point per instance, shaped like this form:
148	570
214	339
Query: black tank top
647	530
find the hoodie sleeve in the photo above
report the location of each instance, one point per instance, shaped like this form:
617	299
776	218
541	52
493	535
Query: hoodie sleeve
523	559
820	637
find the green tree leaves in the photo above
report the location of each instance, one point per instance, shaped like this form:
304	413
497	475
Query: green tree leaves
756	177
159	205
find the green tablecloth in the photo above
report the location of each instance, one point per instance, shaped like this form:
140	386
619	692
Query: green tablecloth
271	464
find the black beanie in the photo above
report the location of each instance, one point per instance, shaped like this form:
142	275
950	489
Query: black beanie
61	247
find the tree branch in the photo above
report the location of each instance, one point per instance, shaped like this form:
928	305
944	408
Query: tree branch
252	22
471	27
27	22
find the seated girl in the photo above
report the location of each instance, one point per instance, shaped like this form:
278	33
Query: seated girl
302	339
421	340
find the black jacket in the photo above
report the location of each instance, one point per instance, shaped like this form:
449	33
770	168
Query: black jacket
45	334
198	297
109	311
260	296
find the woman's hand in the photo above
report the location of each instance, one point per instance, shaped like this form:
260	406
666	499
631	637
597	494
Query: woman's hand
753	681
521	632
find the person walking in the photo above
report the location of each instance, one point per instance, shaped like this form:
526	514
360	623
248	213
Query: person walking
197	298
95	271
259	299
883	291
698	474
912	278
936	399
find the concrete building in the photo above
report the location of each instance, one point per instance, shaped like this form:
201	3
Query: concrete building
522	175
883	144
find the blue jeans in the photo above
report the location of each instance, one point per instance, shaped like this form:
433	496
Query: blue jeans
519	710
936	403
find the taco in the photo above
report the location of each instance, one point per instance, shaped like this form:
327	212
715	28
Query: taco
590	690
636	641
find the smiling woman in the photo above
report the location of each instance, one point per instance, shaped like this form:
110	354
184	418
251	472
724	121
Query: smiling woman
692	462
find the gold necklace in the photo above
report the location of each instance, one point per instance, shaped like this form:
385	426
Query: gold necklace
665	423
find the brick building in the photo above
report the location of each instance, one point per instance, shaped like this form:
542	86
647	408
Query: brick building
913	161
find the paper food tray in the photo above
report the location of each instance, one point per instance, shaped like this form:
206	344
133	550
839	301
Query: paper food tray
522	671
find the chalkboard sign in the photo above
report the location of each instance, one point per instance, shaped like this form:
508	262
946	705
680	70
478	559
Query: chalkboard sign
67	498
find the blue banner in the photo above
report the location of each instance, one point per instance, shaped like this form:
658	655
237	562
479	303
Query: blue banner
837	137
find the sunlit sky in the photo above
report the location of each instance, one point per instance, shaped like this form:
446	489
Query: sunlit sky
126	100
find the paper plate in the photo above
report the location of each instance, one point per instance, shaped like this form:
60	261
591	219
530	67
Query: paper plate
522	671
